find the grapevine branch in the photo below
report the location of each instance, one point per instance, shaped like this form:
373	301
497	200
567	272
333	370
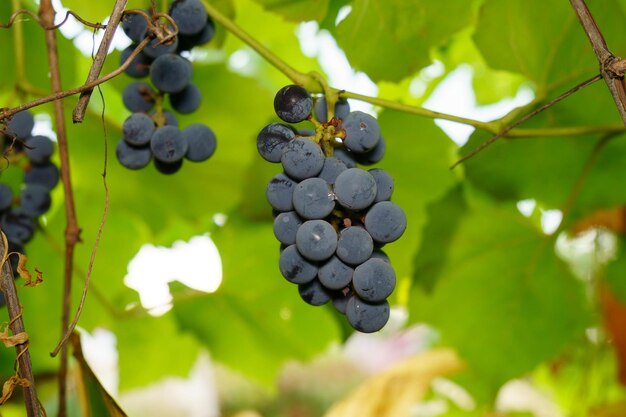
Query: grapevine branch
611	68
25	369
528	116
72	230
18	12
116	16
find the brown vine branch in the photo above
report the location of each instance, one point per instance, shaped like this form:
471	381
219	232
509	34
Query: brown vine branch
36	18
8	113
608	67
116	16
72	230
16	324
530	115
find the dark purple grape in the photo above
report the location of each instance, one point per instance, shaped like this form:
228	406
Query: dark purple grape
293	104
138	97
302	158
170	73
132	157
46	175
279	192
6	197
168	168
39	149
134	26
272	139
156	49
190	16
20	125
362	132
367	317
294	267
314	293
139	67
316	240
186	101
334	274
201	142
138	129
35	200
168	144
355	189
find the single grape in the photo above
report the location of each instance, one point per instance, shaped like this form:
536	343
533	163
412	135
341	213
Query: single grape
367	317
293	103
342	108
138	129
134	26
46	175
156	49
355	189
168	144
201	142
132	157
20	125
316	240
355	245
362	132
35	200
334	274
138	97
314	293
186	101
385	221
333	166
168	168
170	73
39	149
6	197
302	158
286	226
139	67
279	192
190	16
373	156
374	280
294	267
271	141
384	184
313	198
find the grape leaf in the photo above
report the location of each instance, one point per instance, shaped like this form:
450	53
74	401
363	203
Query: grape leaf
545	44
412	27
504	299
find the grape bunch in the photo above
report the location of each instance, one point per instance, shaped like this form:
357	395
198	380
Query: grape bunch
154	133
22	204
331	217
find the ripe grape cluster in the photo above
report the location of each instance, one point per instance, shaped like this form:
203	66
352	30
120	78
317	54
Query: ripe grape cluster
149	133
20	209
332	217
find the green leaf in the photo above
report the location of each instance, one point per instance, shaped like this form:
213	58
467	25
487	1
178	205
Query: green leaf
545	44
96	12
444	217
417	157
297	10
256	319
504	299
392	40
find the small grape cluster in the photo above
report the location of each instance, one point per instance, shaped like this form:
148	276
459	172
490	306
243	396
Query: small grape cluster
148	134
31	153
331	217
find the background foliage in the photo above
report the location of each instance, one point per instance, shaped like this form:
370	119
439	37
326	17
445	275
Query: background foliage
494	285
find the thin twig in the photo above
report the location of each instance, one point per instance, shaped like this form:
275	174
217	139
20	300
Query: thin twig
530	115
96	245
8	113
32	14
605	58
72	230
25	369
116	16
